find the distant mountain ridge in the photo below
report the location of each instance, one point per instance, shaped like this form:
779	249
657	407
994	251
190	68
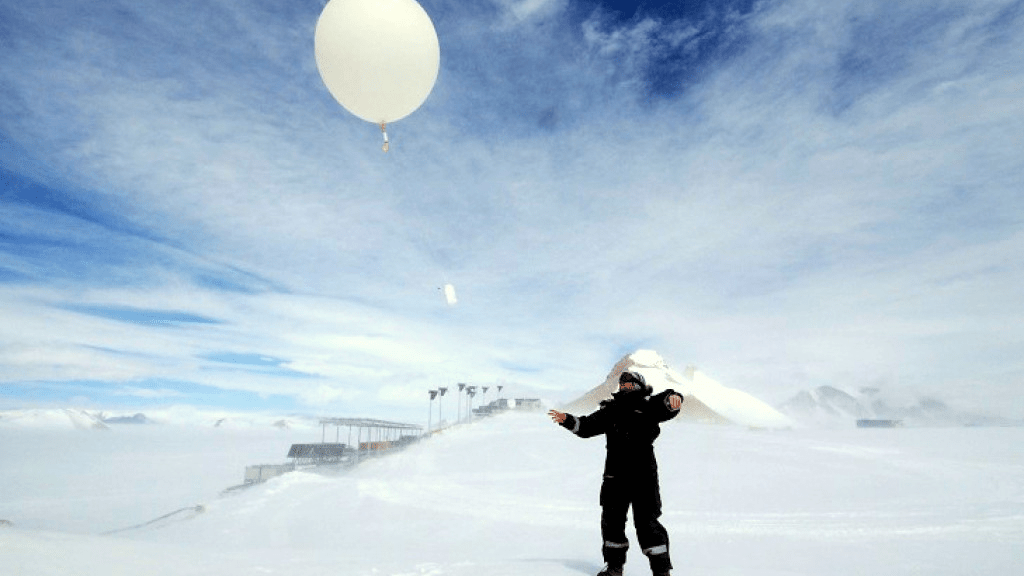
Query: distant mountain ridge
829	406
53	418
77	419
138	418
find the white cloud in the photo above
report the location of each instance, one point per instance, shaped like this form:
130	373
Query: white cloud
148	393
784	222
324	395
527	9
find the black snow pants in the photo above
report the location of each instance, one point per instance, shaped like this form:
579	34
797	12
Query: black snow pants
643	494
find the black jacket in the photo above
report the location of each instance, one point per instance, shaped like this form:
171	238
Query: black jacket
629	422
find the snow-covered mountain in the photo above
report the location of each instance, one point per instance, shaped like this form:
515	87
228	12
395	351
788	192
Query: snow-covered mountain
705	400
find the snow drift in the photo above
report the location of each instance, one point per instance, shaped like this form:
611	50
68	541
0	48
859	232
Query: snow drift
515	494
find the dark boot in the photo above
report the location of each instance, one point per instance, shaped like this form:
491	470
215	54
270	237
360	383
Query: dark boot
610	570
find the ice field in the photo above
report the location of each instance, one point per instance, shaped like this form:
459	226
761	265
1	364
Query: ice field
513	494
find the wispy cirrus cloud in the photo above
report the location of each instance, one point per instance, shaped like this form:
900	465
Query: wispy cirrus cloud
787	194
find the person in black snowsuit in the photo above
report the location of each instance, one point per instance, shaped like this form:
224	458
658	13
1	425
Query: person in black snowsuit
629	422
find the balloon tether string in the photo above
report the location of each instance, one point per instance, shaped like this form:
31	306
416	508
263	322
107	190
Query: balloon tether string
384	131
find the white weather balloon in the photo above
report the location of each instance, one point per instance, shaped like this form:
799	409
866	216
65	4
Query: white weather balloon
449	295
378	58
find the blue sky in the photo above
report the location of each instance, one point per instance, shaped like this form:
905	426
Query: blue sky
786	194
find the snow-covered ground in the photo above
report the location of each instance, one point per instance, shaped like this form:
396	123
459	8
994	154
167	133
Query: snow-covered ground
513	494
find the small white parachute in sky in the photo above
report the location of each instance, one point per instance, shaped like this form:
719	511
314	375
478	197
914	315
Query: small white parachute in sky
378	58
449	294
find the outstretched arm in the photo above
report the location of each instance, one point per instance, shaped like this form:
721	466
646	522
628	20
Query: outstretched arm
582	426
665	406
